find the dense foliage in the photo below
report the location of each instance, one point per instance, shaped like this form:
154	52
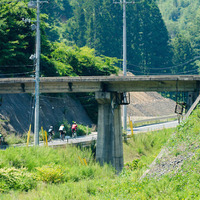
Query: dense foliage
98	24
73	24
183	24
17	42
16	38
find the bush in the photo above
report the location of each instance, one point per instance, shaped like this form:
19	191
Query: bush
50	173
14	139
17	179
83	130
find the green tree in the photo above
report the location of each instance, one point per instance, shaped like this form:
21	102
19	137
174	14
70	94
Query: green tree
148	51
183	56
72	61
16	38
98	24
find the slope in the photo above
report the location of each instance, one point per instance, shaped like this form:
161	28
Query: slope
17	112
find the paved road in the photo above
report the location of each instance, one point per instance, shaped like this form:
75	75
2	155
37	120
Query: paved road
153	127
93	136
79	139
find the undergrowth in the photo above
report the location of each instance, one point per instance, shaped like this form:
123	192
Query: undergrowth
62	174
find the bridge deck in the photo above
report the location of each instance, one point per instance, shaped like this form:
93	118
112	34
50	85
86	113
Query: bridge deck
101	83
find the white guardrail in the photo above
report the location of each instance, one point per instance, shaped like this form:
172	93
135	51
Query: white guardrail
155	118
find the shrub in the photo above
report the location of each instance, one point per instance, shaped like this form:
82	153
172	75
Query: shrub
50	173
14	139
83	130
17	179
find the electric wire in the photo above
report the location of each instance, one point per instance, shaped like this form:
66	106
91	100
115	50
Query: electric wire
158	73
22	73
171	67
15	66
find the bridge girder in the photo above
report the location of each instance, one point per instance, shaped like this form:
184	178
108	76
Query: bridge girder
118	84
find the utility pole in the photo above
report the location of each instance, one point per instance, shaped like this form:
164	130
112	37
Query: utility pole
36	4
124	2
37	78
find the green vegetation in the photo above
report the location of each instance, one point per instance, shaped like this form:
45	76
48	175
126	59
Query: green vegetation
182	20
71	173
145	146
78	35
58	58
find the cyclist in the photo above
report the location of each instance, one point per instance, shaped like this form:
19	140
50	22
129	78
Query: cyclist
74	129
1	139
61	130
51	133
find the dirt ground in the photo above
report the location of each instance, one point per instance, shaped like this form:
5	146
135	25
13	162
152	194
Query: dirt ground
149	104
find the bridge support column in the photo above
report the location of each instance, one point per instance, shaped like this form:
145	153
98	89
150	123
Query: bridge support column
109	139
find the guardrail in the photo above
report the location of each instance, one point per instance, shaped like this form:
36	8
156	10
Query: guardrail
155	118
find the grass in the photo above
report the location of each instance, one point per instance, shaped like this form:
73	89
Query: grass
60	174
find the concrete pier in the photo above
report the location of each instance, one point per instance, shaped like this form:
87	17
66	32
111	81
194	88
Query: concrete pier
109	140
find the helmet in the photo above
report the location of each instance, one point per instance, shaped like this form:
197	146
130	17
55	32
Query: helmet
51	126
74	122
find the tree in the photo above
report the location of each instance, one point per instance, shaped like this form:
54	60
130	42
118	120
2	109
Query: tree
183	56
148	40
16	38
101	28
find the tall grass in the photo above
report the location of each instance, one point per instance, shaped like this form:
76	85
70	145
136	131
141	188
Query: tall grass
67	177
146	144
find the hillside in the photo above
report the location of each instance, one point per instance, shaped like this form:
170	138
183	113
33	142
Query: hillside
149	104
17	113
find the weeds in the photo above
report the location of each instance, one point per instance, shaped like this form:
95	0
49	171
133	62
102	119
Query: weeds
74	180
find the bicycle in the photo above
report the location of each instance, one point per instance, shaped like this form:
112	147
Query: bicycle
74	134
62	135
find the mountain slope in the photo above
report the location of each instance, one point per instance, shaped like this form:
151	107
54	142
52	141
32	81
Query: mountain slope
17	112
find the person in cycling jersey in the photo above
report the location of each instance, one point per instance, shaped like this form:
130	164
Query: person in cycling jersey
74	128
50	133
61	130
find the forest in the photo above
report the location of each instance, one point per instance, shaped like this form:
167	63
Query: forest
82	37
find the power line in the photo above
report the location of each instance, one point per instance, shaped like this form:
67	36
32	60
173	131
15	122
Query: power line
174	66
158	73
10	74
15	66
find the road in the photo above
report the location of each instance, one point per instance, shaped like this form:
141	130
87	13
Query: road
93	136
84	140
153	127
80	139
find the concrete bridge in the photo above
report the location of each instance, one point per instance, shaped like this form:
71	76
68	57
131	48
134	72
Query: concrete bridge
118	84
109	95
